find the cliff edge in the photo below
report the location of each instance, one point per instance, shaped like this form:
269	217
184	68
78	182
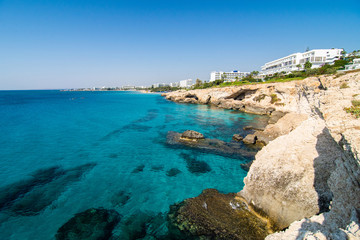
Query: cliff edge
307	177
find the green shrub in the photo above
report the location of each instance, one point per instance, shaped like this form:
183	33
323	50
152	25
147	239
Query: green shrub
274	98
355	103
260	97
353	110
344	85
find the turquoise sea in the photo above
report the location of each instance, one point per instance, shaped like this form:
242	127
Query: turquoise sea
62	153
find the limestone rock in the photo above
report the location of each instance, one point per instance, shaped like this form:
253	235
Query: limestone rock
191	135
237	137
293	184
213	215
216	146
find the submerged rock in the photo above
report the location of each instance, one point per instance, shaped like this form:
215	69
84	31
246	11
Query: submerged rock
237	137
195	166
92	224
192	135
213	215
216	146
246	166
173	172
120	198
139	168
143	225
29	197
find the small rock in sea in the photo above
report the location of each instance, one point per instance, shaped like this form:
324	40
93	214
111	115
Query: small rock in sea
237	137
139	168
92	224
173	172
193	135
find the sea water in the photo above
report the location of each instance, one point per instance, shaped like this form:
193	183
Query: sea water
62	153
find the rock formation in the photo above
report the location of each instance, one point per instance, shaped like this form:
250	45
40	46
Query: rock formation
216	146
212	215
307	177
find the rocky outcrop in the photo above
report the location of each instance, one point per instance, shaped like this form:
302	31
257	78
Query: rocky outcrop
342	221
213	215
311	175
216	146
307	177
257	98
191	135
283	126
293	184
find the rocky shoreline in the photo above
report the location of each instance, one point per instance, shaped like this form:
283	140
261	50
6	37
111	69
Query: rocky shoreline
306	178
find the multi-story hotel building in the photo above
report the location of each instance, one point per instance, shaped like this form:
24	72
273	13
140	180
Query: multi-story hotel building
228	76
296	61
186	83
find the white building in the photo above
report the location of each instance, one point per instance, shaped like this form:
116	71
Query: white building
354	65
228	76
186	83
176	84
318	57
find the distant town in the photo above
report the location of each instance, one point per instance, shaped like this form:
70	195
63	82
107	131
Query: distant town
296	62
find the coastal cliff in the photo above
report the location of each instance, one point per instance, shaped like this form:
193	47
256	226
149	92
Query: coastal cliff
306	178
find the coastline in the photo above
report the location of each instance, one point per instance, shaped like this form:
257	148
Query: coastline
306	178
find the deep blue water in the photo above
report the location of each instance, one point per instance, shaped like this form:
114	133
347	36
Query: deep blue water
102	149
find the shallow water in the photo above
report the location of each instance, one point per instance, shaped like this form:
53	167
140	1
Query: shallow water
104	149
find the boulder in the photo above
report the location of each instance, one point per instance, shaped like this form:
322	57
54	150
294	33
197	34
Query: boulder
237	137
192	135
288	179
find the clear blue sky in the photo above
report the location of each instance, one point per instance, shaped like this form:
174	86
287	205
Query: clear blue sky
85	43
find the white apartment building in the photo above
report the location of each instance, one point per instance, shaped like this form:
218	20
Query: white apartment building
228	76
318	57
175	84
354	65
186	83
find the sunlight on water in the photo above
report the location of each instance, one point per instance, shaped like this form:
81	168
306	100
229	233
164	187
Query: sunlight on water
64	152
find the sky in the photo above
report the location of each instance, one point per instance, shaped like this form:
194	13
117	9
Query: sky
53	44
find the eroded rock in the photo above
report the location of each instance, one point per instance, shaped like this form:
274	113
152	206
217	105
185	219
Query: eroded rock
216	146
192	135
213	215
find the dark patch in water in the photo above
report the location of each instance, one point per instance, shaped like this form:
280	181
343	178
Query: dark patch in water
169	118
30	197
151	115
173	172
246	166
11	192
144	225
113	155
195	166
157	168
131	126
139	168
120	198
93	224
